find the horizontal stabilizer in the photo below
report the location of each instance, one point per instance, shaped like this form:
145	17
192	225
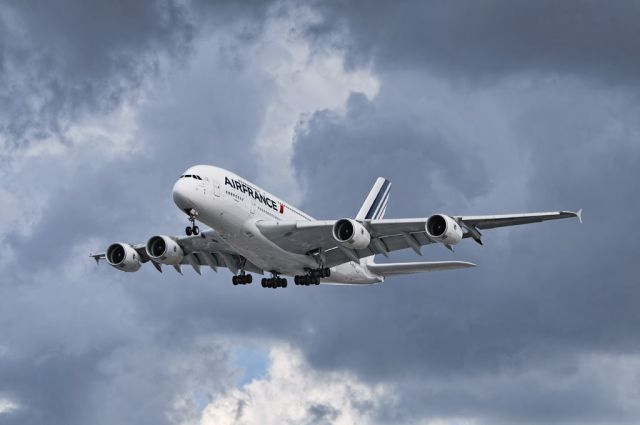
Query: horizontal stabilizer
390	269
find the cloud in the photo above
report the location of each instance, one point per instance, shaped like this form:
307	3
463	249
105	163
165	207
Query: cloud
482	42
292	392
542	297
8	406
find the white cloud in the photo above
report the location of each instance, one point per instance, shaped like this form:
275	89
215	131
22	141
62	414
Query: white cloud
8	406
293	392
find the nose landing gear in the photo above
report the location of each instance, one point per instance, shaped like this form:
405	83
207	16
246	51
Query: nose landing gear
193	229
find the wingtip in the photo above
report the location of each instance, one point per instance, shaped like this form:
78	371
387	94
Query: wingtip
579	215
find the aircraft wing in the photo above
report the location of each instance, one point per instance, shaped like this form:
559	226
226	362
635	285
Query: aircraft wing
206	249
387	235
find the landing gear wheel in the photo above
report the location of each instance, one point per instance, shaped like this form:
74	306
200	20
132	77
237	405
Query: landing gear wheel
196	230
264	282
234	279
249	278
188	230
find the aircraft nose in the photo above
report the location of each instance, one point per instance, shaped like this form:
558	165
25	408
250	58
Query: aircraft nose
181	192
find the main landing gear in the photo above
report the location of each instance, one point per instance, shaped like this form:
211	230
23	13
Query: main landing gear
242	279
274	282
193	229
313	277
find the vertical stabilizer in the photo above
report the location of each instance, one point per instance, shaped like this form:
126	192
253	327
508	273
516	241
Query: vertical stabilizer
375	205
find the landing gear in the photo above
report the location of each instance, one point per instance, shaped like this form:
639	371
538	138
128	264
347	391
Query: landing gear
242	279
274	282
312	277
193	229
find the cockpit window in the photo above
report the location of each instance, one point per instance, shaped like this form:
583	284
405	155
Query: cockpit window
191	176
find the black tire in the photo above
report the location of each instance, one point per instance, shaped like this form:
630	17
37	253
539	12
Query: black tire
196	230
284	283
188	231
264	282
234	280
249	278
327	272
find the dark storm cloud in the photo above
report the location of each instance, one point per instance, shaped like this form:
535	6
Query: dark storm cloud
61	60
487	39
78	348
374	140
543	298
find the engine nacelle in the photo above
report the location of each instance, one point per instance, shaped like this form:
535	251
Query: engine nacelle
351	234
163	249
443	229
123	257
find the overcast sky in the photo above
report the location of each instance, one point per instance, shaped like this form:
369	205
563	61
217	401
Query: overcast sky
469	107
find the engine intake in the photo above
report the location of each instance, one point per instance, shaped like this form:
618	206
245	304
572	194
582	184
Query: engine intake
442	228
123	257
163	249
351	234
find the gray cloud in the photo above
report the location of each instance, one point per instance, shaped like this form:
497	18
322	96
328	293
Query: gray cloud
544	295
489	39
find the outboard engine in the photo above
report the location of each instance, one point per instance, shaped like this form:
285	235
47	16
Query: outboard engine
123	257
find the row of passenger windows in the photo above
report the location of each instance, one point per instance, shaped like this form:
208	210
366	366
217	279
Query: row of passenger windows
193	176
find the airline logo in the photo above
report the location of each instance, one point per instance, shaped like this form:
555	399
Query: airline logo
254	193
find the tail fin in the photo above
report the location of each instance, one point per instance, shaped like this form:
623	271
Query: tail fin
375	205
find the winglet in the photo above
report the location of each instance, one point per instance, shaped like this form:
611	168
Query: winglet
579	215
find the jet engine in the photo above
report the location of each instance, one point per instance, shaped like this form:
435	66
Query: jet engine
442	228
163	249
123	257
351	234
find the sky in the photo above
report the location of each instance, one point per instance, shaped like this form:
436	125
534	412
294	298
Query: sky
469	107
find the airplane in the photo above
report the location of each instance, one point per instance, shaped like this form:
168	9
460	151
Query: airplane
254	231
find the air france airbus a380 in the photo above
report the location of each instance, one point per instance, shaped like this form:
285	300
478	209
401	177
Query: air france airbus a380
257	232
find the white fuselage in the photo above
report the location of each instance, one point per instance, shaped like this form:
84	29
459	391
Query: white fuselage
232	206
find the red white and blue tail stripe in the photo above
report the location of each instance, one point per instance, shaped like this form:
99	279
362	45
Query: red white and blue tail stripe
375	205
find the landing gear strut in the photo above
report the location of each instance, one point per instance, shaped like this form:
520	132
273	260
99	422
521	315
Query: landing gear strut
312	277
193	229
274	282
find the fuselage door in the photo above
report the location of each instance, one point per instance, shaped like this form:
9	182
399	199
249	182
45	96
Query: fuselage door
216	187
